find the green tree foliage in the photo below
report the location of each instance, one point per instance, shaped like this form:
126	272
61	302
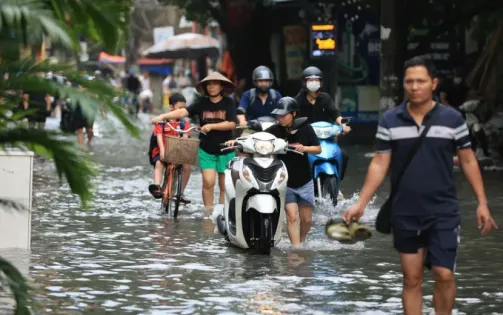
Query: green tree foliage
22	23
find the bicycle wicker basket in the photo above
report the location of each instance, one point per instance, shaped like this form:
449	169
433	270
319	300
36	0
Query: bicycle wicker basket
181	150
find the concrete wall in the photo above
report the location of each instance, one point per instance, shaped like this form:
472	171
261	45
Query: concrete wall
16	169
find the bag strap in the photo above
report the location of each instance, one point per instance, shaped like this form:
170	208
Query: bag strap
274	95
253	96
415	148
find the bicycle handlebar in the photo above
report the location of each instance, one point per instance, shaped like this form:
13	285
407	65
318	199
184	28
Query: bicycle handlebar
181	131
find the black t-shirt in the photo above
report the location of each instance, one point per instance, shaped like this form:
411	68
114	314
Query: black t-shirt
37	103
322	110
133	84
213	113
299	170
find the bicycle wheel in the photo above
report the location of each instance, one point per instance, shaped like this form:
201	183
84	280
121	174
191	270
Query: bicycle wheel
166	188
177	192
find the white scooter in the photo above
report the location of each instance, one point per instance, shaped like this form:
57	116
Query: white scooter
255	188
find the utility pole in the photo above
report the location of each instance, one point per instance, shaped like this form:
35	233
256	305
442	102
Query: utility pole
390	53
130	48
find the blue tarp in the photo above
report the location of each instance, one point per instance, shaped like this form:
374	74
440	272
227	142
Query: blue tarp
162	70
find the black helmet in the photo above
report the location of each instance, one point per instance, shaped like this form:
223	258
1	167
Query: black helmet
262	73
312	73
286	105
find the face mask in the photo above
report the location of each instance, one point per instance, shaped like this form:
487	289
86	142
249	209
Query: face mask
313	86
457	80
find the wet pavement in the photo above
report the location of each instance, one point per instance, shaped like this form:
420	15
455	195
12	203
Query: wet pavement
124	256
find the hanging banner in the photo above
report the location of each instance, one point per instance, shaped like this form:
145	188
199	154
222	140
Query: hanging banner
295	49
360	46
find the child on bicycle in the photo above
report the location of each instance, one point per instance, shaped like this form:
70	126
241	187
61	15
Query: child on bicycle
158	147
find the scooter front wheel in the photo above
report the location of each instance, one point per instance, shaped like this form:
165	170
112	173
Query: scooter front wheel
263	233
266	245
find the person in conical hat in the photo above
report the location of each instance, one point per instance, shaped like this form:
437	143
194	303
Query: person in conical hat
217	116
226	86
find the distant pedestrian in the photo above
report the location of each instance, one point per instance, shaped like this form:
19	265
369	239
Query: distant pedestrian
424	209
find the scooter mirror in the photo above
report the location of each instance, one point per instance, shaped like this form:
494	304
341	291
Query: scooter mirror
254	125
299	122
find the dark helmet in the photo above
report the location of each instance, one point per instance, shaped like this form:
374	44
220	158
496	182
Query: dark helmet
286	105
312	73
262	73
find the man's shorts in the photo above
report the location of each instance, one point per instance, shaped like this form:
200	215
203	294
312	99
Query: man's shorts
438	239
214	162
303	196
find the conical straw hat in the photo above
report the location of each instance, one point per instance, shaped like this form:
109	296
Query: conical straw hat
216	76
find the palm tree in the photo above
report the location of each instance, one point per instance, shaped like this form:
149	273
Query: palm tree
23	22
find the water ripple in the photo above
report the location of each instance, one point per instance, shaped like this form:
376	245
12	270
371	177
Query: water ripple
124	255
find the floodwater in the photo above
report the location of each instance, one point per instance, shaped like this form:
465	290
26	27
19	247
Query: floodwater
124	256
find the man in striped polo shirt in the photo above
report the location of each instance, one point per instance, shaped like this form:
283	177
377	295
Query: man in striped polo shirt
425	216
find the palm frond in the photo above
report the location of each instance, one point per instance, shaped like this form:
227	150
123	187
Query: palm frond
94	97
17	15
102	20
69	161
18	286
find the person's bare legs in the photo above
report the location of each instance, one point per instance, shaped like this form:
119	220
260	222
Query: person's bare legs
445	290
221	186
306	219
158	172
412	294
80	136
187	168
90	135
292	217
209	178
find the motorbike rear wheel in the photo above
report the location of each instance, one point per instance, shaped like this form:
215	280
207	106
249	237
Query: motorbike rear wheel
330	189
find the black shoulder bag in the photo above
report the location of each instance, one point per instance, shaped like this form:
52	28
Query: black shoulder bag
383	220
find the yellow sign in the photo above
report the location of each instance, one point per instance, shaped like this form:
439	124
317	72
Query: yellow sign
325	44
324	27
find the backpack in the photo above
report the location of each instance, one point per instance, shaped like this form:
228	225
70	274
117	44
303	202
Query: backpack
253	95
153	144
153	140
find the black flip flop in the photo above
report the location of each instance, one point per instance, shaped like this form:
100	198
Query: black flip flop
156	191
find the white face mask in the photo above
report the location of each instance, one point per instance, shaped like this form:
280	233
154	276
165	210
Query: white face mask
313	86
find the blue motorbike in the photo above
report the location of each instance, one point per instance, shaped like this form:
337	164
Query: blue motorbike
329	166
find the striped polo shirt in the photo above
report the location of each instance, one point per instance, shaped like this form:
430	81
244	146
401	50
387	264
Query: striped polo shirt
427	187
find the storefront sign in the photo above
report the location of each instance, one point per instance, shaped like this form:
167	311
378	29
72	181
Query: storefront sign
323	41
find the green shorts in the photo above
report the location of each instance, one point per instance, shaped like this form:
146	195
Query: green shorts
214	162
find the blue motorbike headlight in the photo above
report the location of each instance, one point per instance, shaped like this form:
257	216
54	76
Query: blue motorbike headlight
323	132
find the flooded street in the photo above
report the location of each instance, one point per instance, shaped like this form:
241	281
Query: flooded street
125	256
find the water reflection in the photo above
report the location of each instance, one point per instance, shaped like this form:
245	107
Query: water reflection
125	256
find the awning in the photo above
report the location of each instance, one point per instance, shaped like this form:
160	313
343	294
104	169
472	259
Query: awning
154	61
104	57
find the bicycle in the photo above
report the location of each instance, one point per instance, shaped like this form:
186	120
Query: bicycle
172	181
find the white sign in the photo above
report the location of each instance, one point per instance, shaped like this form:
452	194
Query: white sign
162	34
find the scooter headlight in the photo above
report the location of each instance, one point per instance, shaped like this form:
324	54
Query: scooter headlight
323	132
264	147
